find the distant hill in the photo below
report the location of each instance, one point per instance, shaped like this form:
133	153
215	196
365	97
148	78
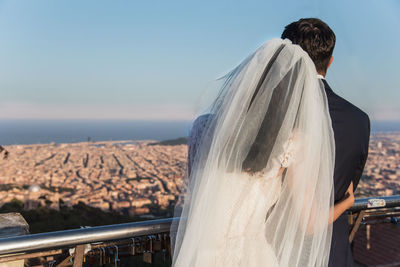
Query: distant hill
172	142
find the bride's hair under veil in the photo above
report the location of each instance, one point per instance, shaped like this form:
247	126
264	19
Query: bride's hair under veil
272	97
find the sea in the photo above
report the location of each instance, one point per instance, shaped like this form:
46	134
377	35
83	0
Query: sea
71	131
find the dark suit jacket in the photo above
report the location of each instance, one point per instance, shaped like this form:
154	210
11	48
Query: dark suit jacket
351	128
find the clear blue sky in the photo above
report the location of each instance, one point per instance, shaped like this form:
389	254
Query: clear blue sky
154	59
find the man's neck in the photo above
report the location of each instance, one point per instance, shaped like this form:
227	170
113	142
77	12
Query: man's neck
321	75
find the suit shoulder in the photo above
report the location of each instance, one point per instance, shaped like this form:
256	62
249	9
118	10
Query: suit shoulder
352	109
359	113
362	116
353	113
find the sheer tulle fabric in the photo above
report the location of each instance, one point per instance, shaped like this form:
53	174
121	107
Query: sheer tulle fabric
236	213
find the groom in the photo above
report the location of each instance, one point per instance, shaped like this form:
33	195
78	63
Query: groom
351	127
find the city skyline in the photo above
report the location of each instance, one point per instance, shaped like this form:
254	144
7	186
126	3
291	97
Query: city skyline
156	60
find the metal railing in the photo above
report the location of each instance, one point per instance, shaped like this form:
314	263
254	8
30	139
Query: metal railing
375	202
372	208
71	238
32	243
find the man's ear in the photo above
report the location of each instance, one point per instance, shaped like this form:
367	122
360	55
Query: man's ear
330	62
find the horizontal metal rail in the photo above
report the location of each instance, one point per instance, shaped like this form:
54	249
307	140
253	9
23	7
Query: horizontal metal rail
375	203
70	238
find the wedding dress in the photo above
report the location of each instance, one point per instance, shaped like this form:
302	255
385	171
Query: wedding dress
260	187
259	192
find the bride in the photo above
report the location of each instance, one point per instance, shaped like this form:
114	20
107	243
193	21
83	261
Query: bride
260	189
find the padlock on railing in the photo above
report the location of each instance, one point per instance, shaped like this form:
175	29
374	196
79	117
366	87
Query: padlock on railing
168	242
164	247
141	246
157	243
148	255
102	256
91	257
116	258
132	248
98	260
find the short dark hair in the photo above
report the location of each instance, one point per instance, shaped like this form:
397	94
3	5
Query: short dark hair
315	37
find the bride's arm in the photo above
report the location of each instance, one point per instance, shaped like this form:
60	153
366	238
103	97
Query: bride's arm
344	204
337	210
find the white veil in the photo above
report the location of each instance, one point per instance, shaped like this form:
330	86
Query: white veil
272	96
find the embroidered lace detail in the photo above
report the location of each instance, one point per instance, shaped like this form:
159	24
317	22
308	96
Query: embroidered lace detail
286	158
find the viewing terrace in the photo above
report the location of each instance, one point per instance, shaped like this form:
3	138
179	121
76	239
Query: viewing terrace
374	234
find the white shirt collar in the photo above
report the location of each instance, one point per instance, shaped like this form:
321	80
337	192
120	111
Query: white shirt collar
320	76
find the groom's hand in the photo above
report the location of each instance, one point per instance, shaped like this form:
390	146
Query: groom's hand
349	196
340	207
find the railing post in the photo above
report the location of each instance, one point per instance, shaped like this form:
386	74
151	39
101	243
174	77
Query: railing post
356	225
78	258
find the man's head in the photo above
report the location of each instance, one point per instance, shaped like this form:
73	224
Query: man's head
316	38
